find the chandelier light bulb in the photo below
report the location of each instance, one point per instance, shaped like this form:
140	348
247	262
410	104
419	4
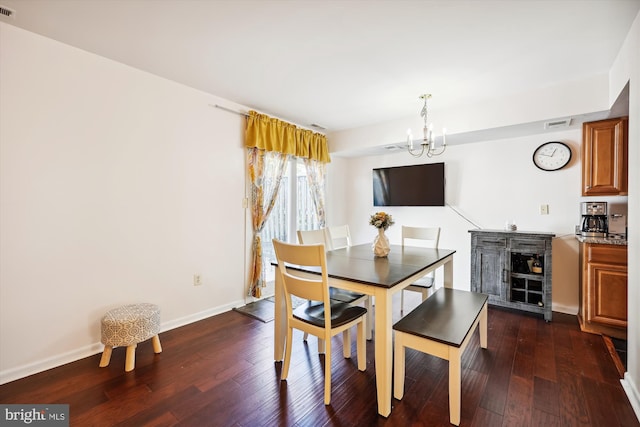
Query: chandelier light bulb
409	139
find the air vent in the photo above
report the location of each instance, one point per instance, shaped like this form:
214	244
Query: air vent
555	124
5	11
317	126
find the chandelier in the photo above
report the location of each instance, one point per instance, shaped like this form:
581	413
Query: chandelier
427	143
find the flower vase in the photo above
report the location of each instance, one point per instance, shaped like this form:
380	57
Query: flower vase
380	245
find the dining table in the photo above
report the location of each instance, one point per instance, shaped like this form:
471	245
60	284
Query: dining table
357	269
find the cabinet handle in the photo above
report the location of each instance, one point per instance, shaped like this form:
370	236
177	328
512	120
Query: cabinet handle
504	275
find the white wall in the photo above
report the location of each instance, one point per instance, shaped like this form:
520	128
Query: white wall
116	186
489	183
627	68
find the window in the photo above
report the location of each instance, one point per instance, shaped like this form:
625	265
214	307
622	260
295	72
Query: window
294	210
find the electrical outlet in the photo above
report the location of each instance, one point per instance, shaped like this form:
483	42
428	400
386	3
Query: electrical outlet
544	209
197	280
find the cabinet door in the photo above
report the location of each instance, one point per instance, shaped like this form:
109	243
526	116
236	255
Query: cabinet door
607	294
604	157
490	272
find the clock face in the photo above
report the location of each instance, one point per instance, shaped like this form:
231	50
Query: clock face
552	156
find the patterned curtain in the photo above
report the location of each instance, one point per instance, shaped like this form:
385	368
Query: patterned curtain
270	142
265	172
315	176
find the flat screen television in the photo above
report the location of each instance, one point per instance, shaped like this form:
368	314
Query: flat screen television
416	185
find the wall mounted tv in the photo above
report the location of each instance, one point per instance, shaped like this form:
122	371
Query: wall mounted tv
417	185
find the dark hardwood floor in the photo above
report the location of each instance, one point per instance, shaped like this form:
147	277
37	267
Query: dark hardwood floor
220	372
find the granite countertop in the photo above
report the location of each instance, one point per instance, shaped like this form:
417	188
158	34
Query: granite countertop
601	240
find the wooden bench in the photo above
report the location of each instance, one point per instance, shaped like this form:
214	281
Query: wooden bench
441	326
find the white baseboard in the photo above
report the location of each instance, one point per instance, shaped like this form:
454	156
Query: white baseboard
566	309
631	390
50	362
176	323
95	348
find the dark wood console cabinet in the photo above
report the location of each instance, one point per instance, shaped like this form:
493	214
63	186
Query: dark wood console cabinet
502	267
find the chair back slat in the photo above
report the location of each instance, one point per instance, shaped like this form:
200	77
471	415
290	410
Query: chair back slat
339	236
313	255
307	237
422	236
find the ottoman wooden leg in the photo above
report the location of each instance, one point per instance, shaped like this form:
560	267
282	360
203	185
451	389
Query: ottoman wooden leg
106	356
157	348
130	360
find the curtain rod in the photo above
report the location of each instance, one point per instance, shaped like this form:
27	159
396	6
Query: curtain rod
240	113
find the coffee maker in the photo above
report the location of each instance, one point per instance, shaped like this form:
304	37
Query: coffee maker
594	219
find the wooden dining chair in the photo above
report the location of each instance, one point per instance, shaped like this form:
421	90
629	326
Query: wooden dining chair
325	236
321	316
339	236
424	237
312	237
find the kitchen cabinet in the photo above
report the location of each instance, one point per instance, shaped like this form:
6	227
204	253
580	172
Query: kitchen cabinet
605	157
502	266
603	289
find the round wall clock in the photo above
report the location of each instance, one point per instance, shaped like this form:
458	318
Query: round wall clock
552	156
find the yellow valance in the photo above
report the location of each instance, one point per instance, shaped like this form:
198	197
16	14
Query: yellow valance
270	134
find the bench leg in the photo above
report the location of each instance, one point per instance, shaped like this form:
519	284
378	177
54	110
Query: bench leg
398	367
106	356
454	385
157	348
130	359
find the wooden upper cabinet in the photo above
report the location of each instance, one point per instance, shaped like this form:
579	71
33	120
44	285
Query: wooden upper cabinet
604	157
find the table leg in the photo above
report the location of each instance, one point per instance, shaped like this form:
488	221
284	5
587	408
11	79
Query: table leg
279	323
383	350
483	326
448	274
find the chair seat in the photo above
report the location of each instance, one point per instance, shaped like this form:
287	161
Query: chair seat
341	313
342	295
424	282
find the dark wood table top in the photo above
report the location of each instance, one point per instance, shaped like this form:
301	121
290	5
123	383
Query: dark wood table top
358	264
446	316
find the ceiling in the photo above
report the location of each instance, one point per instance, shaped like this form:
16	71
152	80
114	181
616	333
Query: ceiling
344	64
